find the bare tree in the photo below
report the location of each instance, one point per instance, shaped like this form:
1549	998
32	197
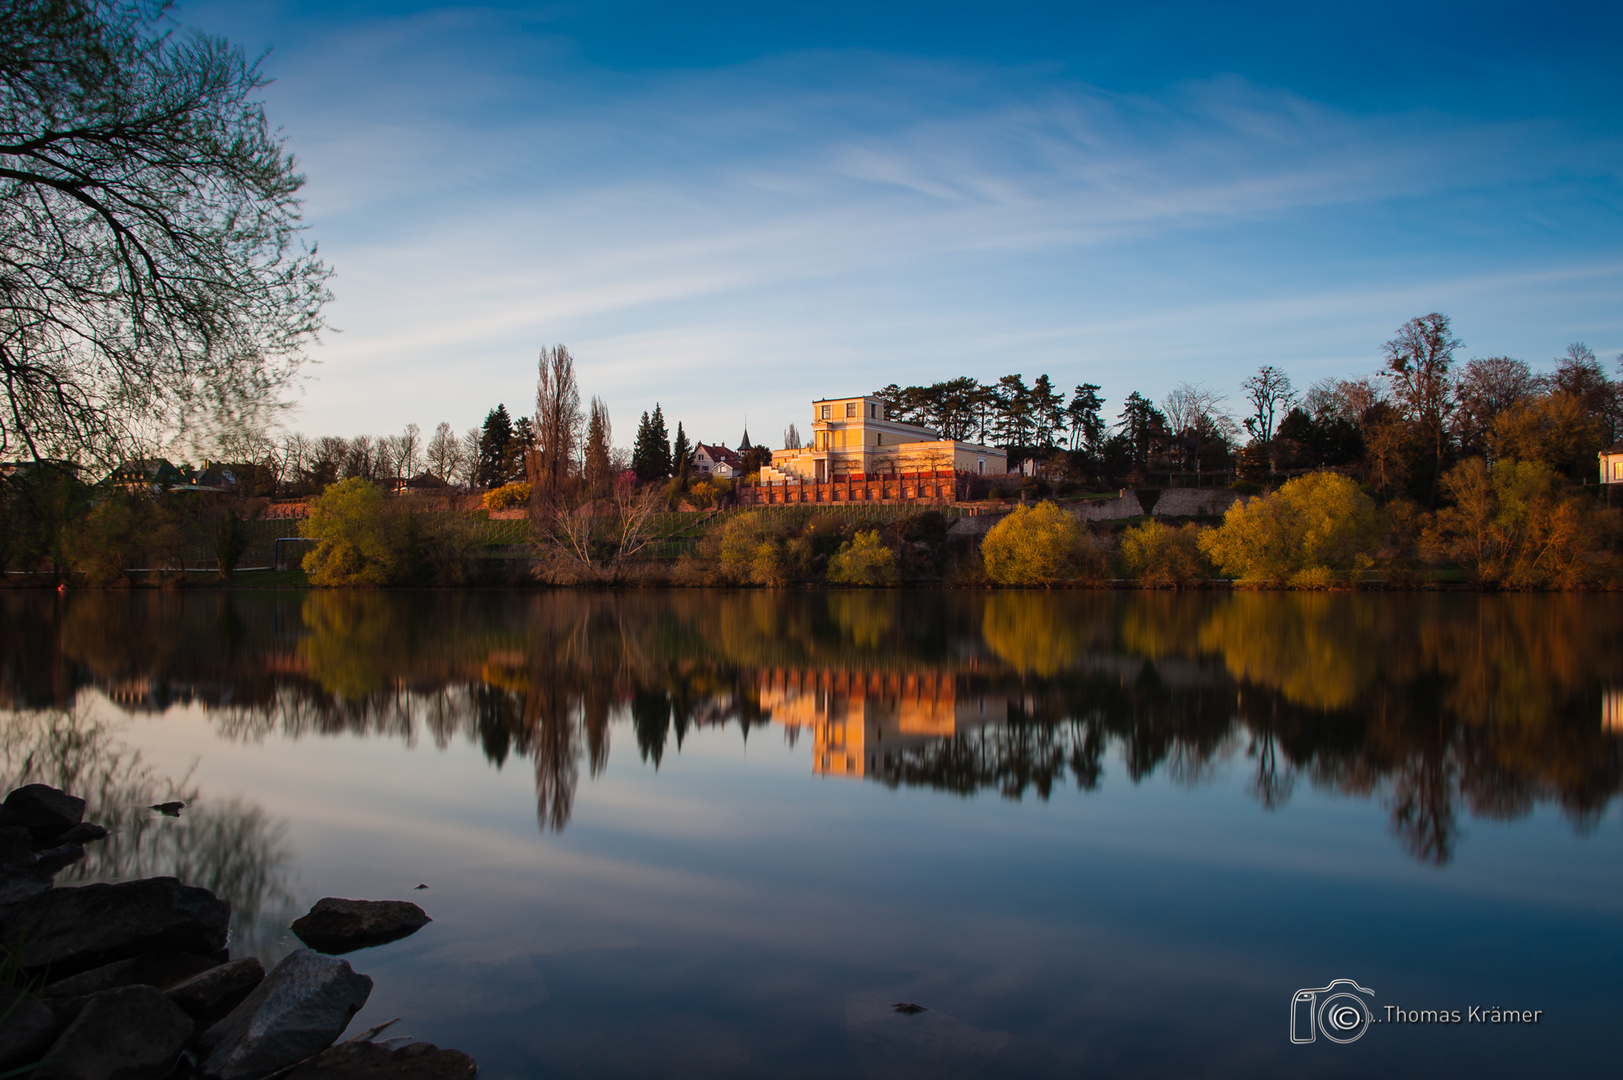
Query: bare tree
151	278
791	438
409	452
468	475
362	458
598	535
1417	367
1270	393
1487	387
557	423
444	453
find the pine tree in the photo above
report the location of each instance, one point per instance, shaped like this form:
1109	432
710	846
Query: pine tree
644	459
659	437
681	455
494	440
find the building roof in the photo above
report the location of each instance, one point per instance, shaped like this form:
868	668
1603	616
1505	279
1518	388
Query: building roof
719	453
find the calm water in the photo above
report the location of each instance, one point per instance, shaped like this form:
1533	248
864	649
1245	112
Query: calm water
717	834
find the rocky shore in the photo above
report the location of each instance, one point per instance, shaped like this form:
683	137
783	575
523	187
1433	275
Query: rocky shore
135	980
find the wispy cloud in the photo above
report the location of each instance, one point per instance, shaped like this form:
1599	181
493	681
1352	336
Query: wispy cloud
734	240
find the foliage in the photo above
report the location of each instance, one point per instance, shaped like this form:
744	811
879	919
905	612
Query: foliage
110	539
507	496
1160	555
747	549
863	560
1556	429
1520	527
709	491
354	545
230	541
1314	523
153	278
1039	546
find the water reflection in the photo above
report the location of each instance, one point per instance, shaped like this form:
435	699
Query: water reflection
1439	706
230	846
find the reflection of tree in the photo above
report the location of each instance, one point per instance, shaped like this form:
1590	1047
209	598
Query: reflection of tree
230	846
1439	706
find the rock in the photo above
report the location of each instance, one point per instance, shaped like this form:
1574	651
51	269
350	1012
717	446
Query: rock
82	833
132	1033
302	1006
19	885
44	811
209	996
159	969
339	926
16	848
369	1061
28	1029
57	858
76	929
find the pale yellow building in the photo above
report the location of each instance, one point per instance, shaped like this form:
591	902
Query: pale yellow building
853	437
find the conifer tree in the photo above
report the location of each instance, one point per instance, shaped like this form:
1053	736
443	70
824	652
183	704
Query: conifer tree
681	454
494	440
659	439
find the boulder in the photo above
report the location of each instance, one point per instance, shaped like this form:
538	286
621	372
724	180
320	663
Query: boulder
159	969
369	1061
28	1029
302	1006
19	885
16	848
75	929
43	810
209	996
60	857
82	833
132	1033
339	926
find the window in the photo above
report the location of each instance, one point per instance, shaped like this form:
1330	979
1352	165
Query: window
850	408
828	412
980	466
1617	470
873	412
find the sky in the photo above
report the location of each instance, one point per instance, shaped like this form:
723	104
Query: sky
732	209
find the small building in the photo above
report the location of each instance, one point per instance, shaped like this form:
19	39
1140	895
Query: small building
717	461
854	437
1611	464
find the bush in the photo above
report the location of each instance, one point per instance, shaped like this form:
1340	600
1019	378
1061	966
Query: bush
1318	522
1520	527
353	545
865	560
1161	555
747	550
1039	547
507	496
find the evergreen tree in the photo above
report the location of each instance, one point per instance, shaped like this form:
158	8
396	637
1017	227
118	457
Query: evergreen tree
1087	426
521	443
494	440
660	442
681	455
651	456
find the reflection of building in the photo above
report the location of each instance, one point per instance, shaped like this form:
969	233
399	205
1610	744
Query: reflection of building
856	717
1611	712
853	437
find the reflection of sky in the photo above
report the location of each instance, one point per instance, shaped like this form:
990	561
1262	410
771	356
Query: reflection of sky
734	914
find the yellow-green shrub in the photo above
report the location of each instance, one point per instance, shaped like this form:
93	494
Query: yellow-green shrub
1039	547
1320	522
863	560
353	541
1160	555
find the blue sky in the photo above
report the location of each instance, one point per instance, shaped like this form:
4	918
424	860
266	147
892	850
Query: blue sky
733	208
